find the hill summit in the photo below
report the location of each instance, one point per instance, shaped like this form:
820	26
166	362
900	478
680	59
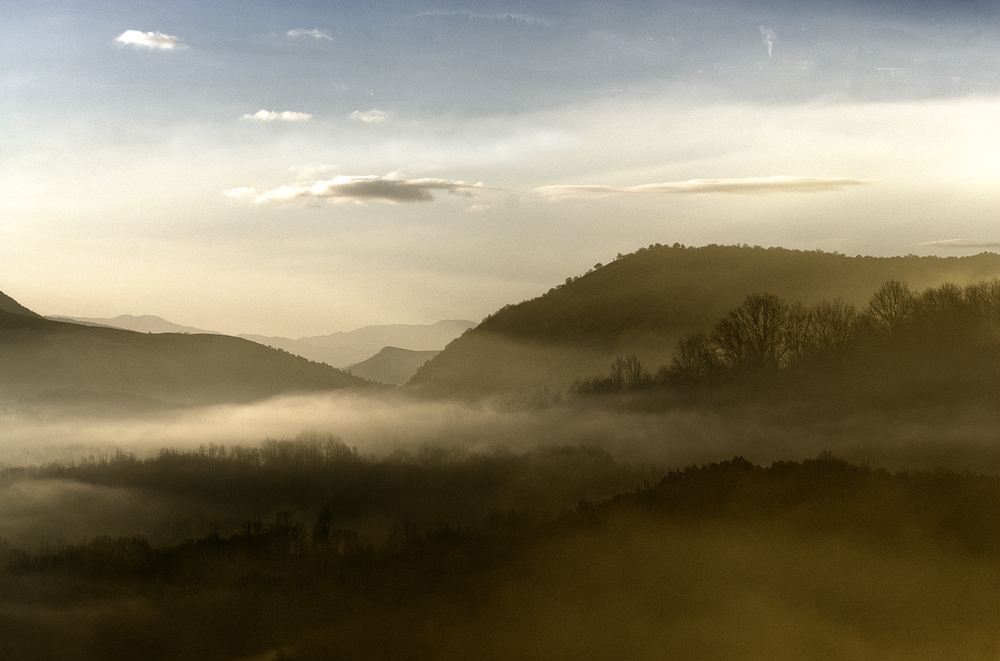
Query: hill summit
8	304
643	303
50	364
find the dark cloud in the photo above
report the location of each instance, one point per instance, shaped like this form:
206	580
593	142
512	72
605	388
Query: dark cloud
366	188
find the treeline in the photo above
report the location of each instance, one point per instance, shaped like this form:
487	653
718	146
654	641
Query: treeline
315	471
645	302
681	550
957	510
766	336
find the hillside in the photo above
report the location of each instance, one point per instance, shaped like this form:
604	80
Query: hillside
45	363
645	302
392	365
8	304
349	348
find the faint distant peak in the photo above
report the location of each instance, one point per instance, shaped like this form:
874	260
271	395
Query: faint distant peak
145	323
343	349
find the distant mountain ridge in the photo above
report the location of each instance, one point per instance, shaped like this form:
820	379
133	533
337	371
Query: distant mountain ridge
45	363
351	347
146	323
339	350
643	303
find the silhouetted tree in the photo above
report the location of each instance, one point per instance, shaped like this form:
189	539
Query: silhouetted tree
627	374
695	361
834	323
753	337
890	306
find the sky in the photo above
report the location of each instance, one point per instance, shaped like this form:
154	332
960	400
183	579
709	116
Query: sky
302	168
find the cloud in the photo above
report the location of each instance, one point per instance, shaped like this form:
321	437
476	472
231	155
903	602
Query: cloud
315	33
959	243
526	19
239	193
313	171
749	186
479	208
156	40
768	36
373	116
284	116
366	188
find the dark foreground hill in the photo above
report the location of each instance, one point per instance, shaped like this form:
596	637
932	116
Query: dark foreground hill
8	304
645	302
49	363
814	560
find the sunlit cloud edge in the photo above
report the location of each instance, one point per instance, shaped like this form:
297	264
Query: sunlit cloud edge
746	186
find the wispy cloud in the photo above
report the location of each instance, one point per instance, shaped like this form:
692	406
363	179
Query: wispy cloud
527	19
768	36
240	193
155	40
315	33
749	186
373	116
959	243
284	116
362	188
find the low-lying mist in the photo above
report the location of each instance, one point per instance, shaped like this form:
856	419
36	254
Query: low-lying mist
962	438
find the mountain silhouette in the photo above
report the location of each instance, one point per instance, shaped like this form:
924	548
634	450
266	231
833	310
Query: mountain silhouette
44	362
392	365
352	347
8	304
643	303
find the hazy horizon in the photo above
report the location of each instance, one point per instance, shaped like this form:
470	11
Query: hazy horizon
295	169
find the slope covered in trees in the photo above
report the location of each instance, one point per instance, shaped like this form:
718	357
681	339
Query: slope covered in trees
49	363
645	302
732	560
917	350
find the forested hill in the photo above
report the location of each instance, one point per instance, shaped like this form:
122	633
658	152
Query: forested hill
643	303
48	363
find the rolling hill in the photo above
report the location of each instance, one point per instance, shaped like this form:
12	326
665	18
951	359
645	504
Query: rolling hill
392	365
643	303
45	362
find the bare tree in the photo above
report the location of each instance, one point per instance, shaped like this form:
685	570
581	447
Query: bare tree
891	305
627	374
695	360
800	333
753	336
834	323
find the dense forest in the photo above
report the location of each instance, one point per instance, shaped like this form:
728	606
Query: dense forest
902	348
642	304
731	559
